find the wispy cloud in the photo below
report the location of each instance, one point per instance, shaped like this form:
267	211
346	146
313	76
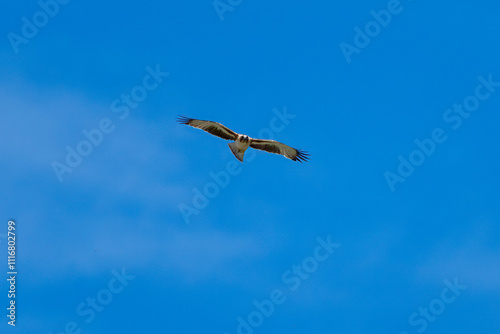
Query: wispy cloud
472	258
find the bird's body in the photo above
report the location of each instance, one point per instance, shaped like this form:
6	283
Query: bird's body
243	142
239	146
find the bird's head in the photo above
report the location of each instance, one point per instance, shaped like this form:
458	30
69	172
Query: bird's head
244	138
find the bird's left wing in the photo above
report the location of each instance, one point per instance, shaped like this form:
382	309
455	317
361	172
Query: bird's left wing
273	146
213	128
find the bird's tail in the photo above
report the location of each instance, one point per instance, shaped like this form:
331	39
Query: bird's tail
237	153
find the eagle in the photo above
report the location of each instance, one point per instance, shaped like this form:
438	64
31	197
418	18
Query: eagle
242	142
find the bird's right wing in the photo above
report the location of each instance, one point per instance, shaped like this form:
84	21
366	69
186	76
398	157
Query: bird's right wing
276	147
213	128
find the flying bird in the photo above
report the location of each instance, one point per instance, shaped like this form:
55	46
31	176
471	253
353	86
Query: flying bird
242	142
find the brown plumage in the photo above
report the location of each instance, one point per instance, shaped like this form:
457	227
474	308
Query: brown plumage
242	142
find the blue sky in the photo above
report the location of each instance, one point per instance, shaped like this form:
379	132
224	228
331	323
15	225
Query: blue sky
415	228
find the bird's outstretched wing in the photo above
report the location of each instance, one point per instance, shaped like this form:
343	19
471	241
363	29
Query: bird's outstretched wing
214	128
273	146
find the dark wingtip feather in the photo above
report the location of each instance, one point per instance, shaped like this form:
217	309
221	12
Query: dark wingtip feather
183	119
301	156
